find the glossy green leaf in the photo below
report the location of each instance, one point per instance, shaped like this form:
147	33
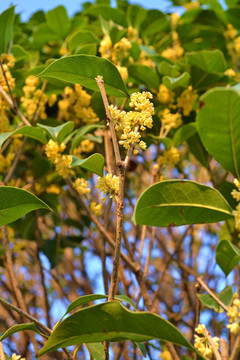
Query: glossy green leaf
81	37
93	163
181	81
28	131
144	75
15	203
58	133
179	202
224	296
227	256
167	69
111	321
218	127
79	136
184	133
96	351
198	150
6	29
58	21
83	69
20	327
211	61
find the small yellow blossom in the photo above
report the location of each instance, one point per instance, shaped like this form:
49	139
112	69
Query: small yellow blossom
186	100
192	5
17	357
165	355
230	33
170	157
63	50
230	73
62	165
81	186
202	343
53	189
105	47
164	95
53	150
123	72
10	80
108	184
170	120
96	208
8	59
234	316
85	146
132	33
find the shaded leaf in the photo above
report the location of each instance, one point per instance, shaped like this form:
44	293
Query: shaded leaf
211	61
6	29
28	131
218	126
227	256
108	13
15	203
93	163
198	150
81	37
184	133
79	136
224	296
178	202
58	21
96	350
167	69
83	70
181	81
20	327
144	75
111	321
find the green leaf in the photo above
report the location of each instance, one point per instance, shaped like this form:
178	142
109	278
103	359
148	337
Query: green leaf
20	327
96	351
79	136
81	37
83	69
58	133
224	296
111	321
28	131
136	15
184	133
167	69
20	53
93	163
15	203
227	256
108	13
218	126
6	29
58	21
144	75
198	150
167	142
179	202
211	61
181	81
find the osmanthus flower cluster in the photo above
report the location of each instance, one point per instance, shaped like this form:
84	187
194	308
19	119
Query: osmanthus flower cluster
202	343
236	213
76	106
35	100
53	152
129	123
109	185
7	82
234	316
17	357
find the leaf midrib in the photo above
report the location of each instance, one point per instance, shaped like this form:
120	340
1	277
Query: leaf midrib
184	205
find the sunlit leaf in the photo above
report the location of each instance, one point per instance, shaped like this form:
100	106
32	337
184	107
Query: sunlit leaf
20	327
93	163
58	133
6	29
227	256
181	81
224	296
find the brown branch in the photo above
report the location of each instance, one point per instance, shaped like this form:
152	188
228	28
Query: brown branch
211	342
236	349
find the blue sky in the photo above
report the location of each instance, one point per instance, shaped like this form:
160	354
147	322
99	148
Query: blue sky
27	7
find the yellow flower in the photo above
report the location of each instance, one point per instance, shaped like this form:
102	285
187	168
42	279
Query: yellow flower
170	157
230	73
230	33
63	50
8	59
164	95
105	47
170	120
81	186
123	72
53	150
53	189
192	5
17	357
186	100
62	165
165	355
108	184
96	208
202	343
85	146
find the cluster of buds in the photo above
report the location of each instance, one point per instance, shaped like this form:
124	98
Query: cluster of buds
109	185
236	213
202	342
234	317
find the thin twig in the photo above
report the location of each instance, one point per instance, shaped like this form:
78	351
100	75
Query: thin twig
211	342
236	349
224	349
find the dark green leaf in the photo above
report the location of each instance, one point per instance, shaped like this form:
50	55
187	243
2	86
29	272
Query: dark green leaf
81	37
227	256
224	296
181	81
16	328
167	69
178	202
93	163
15	203
108	13
28	131
83	69
198	150
211	61
218	126
144	75
111	321
183	133
96	351
81	132
6	29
